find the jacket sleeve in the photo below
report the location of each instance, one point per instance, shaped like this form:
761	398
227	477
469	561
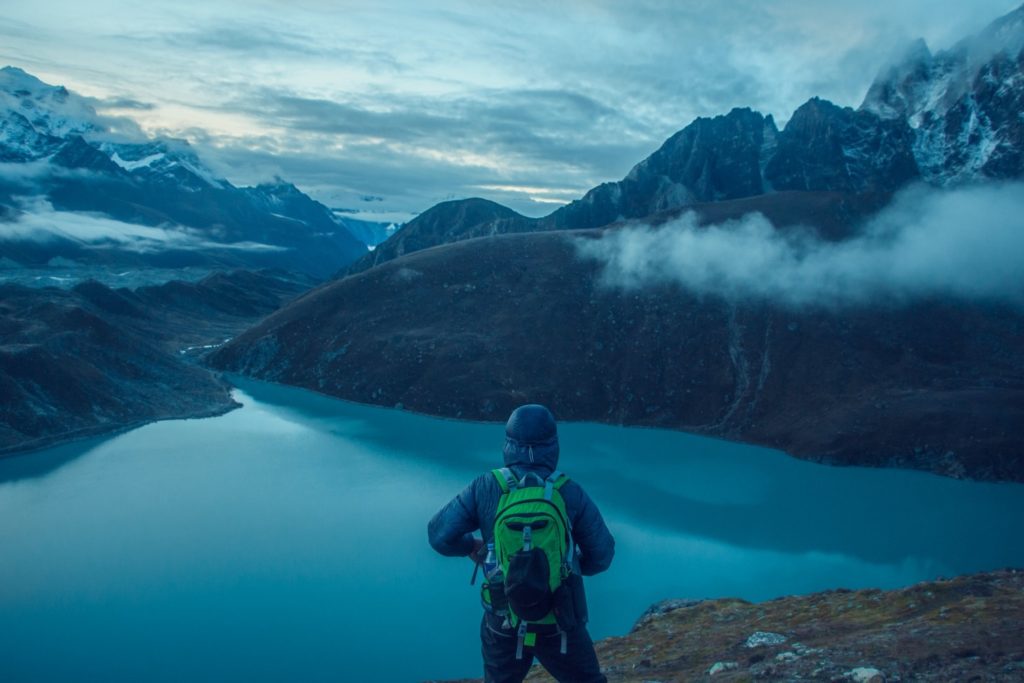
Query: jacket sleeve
591	535
451	530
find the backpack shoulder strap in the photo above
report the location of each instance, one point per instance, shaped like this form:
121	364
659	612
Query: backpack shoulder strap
506	480
555	481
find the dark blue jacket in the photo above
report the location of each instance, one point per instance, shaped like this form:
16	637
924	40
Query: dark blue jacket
451	529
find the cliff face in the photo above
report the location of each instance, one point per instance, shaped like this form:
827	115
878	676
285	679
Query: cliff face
823	148
837	149
712	159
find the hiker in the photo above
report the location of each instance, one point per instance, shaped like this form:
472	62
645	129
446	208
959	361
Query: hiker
556	634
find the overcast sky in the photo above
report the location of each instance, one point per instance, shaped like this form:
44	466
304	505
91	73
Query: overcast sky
526	103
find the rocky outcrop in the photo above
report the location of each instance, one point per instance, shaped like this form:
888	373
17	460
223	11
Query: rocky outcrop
961	629
823	148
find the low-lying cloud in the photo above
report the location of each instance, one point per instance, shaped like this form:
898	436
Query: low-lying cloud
27	178
966	243
38	221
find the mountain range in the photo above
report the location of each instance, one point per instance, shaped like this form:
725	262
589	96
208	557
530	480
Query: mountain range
71	179
944	119
471	309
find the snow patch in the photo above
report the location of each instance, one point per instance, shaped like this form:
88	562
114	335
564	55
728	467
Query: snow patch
133	165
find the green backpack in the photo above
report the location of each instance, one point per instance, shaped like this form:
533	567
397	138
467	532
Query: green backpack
534	549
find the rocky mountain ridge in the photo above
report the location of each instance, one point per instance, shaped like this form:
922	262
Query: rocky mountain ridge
962	104
947	119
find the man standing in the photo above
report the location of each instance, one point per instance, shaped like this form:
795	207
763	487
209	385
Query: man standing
531	448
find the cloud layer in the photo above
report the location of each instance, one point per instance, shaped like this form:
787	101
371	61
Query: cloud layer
966	243
463	98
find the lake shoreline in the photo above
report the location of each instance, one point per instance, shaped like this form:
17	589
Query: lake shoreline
28	448
217	409
897	464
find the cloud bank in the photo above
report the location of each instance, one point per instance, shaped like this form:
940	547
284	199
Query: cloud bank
966	244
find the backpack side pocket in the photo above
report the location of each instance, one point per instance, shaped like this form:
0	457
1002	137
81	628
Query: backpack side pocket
564	608
492	595
579	598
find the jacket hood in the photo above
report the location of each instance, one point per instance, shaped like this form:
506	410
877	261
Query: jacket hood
531	438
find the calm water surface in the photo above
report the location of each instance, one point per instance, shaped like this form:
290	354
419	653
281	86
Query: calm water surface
287	540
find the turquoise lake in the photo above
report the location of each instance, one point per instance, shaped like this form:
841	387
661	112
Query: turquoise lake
287	540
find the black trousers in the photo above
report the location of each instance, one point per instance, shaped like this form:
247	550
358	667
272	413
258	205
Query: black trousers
577	665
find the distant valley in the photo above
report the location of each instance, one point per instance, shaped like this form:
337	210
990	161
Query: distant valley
92	359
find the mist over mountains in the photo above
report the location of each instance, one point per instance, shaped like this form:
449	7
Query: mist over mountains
950	122
91	189
963	244
944	120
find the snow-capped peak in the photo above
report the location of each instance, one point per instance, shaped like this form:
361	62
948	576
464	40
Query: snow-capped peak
963	103
169	159
136	164
919	82
50	109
